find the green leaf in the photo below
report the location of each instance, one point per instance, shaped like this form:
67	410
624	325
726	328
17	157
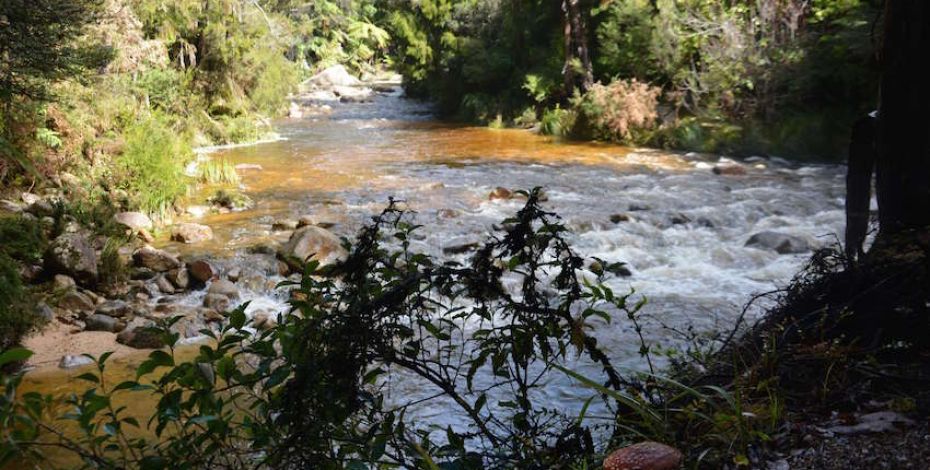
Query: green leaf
14	355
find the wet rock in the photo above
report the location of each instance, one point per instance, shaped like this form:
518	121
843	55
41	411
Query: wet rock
460	248
729	169
213	316
191	233
636	207
76	302
336	75
618	218
644	456
779	242
155	259
201	271
62	283
141	274
115	309
234	274
316	242
264	321
179	278
98	322
283	225
217	302
283	268
69	361
164	285
140	337
73	254
230	201
224	288
500	193
679	219
135	221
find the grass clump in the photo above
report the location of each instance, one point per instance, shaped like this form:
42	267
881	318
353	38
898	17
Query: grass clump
152	165
218	172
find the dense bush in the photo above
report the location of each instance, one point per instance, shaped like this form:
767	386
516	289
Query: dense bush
618	110
22	242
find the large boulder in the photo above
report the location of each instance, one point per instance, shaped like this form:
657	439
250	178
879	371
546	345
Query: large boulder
310	241
201	271
73	254
135	221
75	301
191	233
336	75
155	259
225	288
140	337
779	242
98	322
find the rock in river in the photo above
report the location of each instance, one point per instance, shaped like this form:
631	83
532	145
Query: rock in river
781	243
155	259
191	233
201	270
308	241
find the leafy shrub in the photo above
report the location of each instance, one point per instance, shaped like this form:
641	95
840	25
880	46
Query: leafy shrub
15	317
557	121
152	164
621	108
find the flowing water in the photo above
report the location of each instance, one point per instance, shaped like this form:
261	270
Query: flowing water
684	240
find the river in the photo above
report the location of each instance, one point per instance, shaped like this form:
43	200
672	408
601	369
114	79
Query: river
683	236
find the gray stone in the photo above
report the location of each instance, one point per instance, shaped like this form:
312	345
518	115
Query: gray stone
135	221
73	254
180	278
779	242
336	75
115	309
69	361
99	322
30	198
140	337
155	259
62	283
164	285
191	233
318	243
76	302
234	274
216	301
225	288
45	312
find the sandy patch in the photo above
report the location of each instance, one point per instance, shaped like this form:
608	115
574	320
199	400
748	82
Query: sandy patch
56	340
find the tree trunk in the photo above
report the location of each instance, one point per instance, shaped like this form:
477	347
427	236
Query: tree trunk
576	48
903	134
